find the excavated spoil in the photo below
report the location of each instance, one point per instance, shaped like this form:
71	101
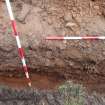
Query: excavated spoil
27	96
80	61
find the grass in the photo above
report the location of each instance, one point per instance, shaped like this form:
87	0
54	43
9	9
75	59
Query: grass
73	93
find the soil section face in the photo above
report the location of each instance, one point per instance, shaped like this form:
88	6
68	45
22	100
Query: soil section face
71	60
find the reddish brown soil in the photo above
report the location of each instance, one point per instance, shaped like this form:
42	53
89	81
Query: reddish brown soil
45	80
39	81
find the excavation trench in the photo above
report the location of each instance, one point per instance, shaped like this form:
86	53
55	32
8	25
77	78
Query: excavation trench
57	61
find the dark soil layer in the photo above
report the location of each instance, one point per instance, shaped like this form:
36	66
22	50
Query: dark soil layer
29	97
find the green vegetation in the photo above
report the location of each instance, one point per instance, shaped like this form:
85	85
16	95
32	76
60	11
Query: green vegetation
73	93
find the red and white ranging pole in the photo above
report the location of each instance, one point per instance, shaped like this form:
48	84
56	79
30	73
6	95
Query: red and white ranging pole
75	38
20	49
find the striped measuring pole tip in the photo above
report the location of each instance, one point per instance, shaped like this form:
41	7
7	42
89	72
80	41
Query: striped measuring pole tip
20	49
75	38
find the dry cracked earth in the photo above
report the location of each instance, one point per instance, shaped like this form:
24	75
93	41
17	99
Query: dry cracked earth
51	63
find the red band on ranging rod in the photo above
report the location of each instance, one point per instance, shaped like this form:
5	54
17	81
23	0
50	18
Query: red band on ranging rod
25	68
21	52
14	27
54	38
